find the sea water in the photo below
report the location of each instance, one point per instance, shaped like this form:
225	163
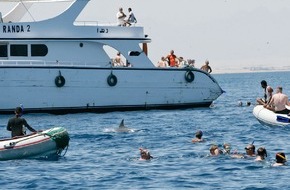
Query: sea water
98	157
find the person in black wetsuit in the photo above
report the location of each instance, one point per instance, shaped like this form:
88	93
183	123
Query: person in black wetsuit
15	124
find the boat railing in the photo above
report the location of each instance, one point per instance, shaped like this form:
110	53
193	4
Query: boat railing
53	63
96	23
93	23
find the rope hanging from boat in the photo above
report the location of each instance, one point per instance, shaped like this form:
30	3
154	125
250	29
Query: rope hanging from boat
59	151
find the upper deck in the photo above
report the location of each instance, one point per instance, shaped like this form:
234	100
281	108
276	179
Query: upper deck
62	26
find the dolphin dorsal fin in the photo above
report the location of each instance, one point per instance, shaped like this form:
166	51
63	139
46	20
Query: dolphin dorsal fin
122	124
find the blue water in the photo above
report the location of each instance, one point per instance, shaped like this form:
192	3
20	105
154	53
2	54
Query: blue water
100	158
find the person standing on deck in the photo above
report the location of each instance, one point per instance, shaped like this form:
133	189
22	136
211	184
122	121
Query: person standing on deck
131	18
206	67
172	59
121	17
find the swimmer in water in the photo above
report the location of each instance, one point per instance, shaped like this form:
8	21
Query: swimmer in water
240	103
145	154
227	151
250	150
198	136
280	159
215	151
261	154
227	148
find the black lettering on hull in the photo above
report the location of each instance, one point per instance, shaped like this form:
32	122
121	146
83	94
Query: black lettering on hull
15	28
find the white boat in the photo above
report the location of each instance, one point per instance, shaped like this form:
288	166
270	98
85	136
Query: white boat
60	65
50	142
269	118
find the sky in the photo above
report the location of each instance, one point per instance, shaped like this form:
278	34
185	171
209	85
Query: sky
234	35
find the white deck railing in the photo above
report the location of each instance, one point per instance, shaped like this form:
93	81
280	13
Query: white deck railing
52	63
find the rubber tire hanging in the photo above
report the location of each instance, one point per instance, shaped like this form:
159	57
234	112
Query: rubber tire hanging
59	80
189	76
112	80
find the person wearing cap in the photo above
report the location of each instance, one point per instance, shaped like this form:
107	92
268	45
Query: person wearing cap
198	137
261	154
15	124
250	150
145	154
280	159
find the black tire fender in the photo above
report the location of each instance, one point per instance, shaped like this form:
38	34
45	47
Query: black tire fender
189	76
59	81
112	80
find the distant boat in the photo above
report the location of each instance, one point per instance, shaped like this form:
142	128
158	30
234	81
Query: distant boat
50	142
61	66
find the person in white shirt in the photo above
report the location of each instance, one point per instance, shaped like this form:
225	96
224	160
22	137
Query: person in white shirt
162	62
121	17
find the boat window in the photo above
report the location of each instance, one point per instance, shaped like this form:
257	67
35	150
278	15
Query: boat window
3	50
134	53
18	50
38	50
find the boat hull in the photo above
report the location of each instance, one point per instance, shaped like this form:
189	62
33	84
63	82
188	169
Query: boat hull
89	89
47	143
269	118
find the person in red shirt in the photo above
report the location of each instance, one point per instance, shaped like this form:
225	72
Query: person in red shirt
172	59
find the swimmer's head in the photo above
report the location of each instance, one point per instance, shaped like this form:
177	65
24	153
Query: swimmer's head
145	154
262	152
240	103
198	134
280	157
227	147
214	150
250	149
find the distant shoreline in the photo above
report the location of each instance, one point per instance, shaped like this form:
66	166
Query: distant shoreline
248	70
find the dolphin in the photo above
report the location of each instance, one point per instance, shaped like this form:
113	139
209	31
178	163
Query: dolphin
123	128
